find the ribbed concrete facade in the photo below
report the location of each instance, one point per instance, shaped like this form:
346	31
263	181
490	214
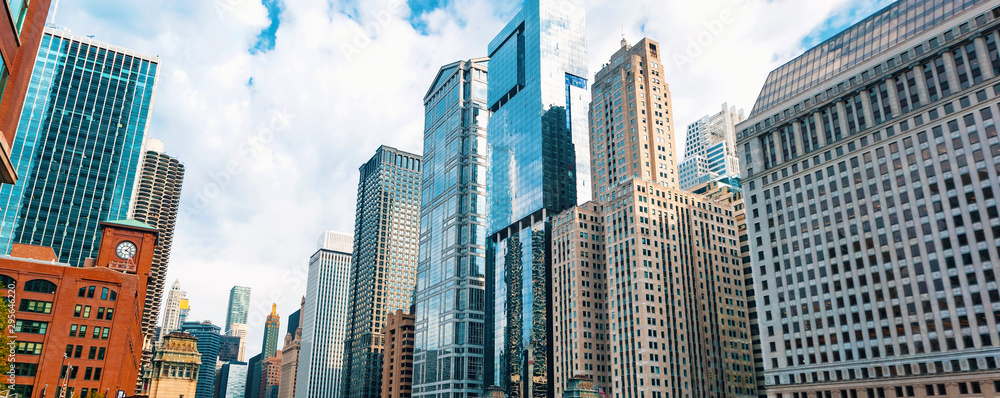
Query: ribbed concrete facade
156	202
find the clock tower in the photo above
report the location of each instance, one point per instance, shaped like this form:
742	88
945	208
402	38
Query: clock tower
127	246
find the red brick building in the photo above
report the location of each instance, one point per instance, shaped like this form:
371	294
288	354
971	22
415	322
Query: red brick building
397	359
19	40
80	327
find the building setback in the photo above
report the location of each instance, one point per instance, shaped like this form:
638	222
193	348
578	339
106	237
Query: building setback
77	162
870	186
397	360
157	198
89	314
19	42
450	268
384	263
710	150
324	316
539	166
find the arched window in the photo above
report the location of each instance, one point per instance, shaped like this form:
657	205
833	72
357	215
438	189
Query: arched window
113	296
7	281
40	286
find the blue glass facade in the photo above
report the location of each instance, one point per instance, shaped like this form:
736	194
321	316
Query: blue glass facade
450	295
79	145
208	346
538	167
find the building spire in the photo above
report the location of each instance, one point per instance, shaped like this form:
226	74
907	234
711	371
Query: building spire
274	309
624	42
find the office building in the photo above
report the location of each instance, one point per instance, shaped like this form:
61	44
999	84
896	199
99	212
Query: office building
632	132
710	148
321	357
870	167
539	166
239	305
232	380
156	201
84	317
229	348
270	376
19	42
451	263
397	359
255	372
384	262
175	366
579	275
172	310
239	330
208	346
290	353
271	329
77	163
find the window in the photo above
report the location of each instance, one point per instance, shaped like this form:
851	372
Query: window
86	311
90	291
104	333
4	279
72	330
31	327
40	286
28	348
25	369
40	307
104	293
78	310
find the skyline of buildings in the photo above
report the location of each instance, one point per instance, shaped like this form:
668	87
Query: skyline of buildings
870	194
77	163
321	356
539	160
710	148
449	295
383	262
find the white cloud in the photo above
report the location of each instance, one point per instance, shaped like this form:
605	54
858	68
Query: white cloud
272	164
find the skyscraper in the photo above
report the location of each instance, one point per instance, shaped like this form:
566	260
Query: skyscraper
236	317
710	150
172	310
870	171
290	353
208	346
321	358
271	329
397	360
383	267
229	349
539	166
77	162
232	380
450	268
19	42
156	202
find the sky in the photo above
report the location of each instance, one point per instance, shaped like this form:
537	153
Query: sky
272	105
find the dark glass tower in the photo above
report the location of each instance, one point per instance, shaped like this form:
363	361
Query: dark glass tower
539	163
79	148
208	346
384	264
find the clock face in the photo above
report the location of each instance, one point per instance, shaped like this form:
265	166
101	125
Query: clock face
125	250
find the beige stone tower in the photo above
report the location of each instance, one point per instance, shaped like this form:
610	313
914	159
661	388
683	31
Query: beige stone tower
175	367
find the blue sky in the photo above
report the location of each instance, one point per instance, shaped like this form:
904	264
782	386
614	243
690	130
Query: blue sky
272	164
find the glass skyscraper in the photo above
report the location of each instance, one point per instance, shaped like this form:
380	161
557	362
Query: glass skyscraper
321	359
79	145
448	356
539	157
208	346
383	268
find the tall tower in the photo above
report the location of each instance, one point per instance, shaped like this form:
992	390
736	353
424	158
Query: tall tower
156	204
383	268
236	316
321	358
208	346
271	329
77	161
539	166
172	310
451	265
710	148
871	165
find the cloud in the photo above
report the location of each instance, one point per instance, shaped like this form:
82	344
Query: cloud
270	165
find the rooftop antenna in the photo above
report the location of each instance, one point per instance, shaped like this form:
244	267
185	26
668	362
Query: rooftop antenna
624	42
